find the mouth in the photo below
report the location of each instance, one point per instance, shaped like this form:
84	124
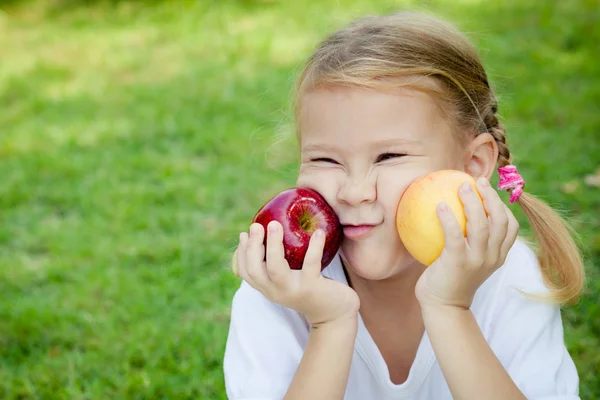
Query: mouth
357	231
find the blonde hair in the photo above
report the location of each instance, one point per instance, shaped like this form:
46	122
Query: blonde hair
373	51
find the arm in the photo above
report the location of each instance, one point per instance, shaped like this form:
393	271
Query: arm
447	288
470	368
270	351
271	354
523	353
325	366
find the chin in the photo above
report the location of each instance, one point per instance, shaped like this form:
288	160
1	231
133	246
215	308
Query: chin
376	263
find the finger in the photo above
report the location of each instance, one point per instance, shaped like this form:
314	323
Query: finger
311	267
255	255
454	239
277	267
496	214
511	234
477	222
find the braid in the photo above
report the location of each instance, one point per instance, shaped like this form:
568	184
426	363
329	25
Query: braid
496	129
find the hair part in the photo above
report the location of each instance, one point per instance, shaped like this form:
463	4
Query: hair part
385	52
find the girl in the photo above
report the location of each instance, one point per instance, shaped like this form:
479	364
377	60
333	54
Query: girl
379	104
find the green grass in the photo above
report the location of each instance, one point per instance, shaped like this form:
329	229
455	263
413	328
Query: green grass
137	141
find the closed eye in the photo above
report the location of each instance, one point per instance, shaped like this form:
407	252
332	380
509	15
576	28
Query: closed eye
388	156
324	159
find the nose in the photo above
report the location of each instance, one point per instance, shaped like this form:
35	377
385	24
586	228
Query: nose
357	191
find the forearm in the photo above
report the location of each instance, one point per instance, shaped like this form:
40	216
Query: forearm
325	366
470	368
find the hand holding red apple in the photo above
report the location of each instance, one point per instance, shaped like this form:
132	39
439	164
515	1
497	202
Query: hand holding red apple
319	299
292	238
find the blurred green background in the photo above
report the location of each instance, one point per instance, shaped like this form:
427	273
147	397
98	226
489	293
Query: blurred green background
138	138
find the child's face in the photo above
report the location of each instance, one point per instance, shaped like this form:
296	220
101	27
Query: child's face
361	149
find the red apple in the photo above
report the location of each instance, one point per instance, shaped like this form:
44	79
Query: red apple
301	212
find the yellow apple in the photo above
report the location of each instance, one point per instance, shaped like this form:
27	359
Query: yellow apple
416	219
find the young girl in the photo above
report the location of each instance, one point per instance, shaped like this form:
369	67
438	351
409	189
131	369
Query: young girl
379	104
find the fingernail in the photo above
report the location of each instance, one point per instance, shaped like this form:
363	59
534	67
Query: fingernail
466	187
443	206
483	182
272	227
254	229
319	234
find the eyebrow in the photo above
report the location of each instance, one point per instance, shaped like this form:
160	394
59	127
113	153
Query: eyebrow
379	145
318	147
395	142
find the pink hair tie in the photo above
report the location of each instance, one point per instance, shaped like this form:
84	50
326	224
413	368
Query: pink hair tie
510	179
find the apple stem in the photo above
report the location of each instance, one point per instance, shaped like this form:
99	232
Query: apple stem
306	222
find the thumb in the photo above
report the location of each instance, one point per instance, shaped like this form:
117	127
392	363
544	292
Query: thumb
314	254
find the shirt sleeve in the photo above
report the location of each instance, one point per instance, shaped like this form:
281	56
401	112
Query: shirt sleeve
264	347
527	336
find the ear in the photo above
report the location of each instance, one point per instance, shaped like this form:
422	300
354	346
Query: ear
481	156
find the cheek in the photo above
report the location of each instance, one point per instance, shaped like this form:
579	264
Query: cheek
392	183
323	181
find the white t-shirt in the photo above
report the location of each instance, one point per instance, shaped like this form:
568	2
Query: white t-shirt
266	342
